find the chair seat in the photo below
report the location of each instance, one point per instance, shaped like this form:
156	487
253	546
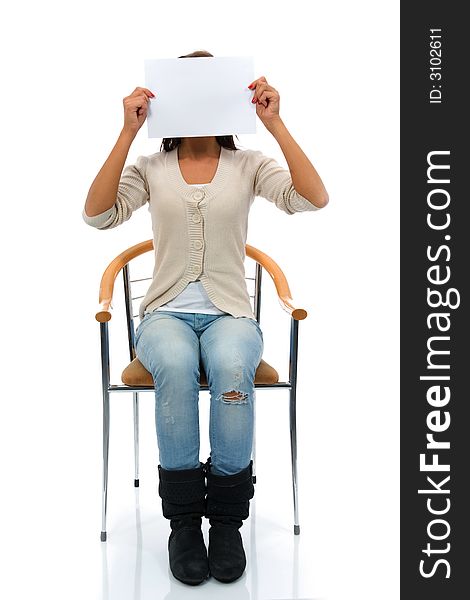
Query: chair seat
136	374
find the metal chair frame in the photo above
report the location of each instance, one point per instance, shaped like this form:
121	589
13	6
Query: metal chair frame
121	263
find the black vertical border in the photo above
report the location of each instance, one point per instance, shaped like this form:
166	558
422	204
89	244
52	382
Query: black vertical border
429	127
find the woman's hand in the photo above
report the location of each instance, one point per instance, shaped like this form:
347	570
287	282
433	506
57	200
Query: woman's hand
267	101
135	109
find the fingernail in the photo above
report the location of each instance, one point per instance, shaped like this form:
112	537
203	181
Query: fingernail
254	100
250	87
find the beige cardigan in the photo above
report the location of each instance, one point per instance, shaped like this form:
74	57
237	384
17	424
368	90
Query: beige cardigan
200	233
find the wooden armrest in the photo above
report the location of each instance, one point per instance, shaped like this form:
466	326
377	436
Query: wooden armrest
280	282
110	274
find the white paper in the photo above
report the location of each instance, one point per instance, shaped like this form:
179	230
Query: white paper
200	96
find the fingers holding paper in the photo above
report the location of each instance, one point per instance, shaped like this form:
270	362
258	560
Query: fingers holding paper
267	100
135	109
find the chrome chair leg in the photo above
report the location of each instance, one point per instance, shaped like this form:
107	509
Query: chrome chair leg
105	385
136	439
293	447
253	452
294	342
105	464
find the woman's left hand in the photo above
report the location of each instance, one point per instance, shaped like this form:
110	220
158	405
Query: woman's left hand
267	100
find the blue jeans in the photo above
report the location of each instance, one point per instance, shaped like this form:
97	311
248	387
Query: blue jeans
171	346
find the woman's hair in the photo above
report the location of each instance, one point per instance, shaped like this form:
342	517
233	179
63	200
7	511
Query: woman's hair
226	141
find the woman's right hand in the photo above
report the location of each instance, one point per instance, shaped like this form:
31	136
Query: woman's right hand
135	109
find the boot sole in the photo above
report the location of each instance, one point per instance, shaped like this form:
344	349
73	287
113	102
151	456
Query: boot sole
192	581
225	580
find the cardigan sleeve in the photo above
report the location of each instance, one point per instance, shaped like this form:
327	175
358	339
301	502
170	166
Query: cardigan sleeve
132	194
274	183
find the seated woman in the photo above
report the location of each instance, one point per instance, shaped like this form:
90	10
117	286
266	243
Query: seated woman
199	191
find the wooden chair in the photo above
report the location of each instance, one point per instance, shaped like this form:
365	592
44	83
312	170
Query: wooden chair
136	379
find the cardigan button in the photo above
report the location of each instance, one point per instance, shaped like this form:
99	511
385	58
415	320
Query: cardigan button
198	244
198	195
196	218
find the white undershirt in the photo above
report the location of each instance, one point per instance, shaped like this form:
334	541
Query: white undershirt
194	297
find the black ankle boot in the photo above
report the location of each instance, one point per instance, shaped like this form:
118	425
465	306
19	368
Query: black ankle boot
227	505
183	500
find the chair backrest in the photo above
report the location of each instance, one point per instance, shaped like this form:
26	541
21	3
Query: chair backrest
136	280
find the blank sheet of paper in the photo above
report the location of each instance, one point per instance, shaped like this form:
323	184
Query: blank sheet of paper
200	96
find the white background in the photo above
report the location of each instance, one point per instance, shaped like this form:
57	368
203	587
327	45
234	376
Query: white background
65	70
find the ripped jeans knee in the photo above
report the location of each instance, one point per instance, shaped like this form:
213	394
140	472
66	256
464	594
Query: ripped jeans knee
233	397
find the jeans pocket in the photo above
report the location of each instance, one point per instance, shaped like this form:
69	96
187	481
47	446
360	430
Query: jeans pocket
140	327
257	325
